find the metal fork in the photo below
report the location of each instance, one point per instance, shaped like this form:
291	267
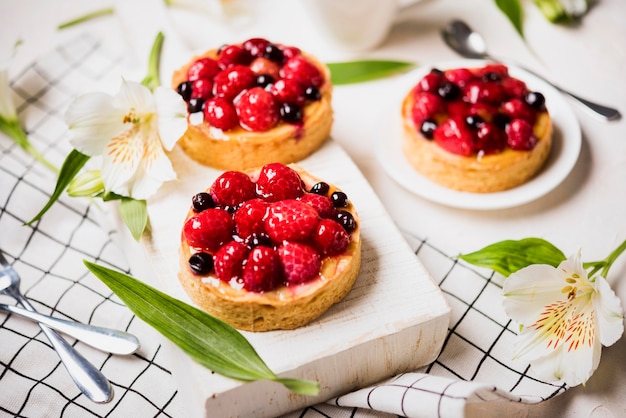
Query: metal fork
86	376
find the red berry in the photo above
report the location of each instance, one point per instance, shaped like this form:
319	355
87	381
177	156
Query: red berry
205	68
426	106
201	89
300	262
489	138
484	91
429	83
257	110
228	261
288	91
278	182
459	76
520	135
322	204
457	108
518	109
454	136
256	46
220	113
514	87
262	271
250	218
209	229
330	238
232	81
499	69
303	71
232	188
290	52
265	66
290	220
232	55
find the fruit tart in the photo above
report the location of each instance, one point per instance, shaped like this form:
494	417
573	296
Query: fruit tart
254	103
269	249
476	130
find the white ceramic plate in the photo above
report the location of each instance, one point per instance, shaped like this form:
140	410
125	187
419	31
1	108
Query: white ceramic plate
563	156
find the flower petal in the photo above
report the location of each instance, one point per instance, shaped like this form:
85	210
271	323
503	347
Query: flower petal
172	114
93	121
134	96
609	312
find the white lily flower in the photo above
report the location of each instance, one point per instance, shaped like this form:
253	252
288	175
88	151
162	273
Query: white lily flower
566	318
131	131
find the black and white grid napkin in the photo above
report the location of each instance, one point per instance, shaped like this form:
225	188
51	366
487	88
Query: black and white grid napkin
474	366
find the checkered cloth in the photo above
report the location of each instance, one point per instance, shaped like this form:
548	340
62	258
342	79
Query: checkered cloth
474	366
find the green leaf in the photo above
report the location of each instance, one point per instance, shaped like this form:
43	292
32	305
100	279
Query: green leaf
365	70
135	215
507	257
74	161
86	17
512	9
552	10
206	339
13	129
152	78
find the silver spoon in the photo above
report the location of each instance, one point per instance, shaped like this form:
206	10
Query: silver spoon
469	44
105	339
87	377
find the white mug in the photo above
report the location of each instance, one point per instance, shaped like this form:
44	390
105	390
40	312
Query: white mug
355	25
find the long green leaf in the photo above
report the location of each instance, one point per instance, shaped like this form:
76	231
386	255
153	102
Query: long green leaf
365	70
74	161
512	9
135	215
208	340
552	10
507	257
86	17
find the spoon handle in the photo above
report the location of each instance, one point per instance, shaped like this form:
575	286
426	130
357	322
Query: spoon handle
105	339
607	113
85	375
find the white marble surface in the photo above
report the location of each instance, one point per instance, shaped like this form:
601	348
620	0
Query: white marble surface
586	211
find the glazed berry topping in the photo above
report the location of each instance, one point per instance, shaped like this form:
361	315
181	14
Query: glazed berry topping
232	188
201	263
202	201
339	199
276	239
470	111
291	78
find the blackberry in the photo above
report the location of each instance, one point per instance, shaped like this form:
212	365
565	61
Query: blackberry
202	201
201	263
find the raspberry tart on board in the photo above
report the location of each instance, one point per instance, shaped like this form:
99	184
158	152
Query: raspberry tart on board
476	130
269	249
254	103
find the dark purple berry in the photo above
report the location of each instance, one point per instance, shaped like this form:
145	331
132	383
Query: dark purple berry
448	91
436	71
346	220
320	188
195	105
202	201
492	76
339	199
535	99
201	263
274	53
290	112
264	80
474	121
255	240
428	128
312	93
184	89
501	120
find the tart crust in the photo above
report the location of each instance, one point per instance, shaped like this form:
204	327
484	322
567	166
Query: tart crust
284	307
476	173
239	149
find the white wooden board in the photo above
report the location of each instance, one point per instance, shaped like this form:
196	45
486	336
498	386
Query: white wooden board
394	320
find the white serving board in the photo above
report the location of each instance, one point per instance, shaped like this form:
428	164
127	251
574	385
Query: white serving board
394	320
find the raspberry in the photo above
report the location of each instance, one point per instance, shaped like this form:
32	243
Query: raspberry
518	109
429	83
220	113
209	229
303	71
483	91
204	68
330	238
455	137
228	261
250	218
520	135
290	52
490	139
290	220
257	110
201	88
232	188
426	106
459	76
256	46
278	182
499	69
322	204
514	87
300	262
288	91
265	66
232	81
232	55
262	270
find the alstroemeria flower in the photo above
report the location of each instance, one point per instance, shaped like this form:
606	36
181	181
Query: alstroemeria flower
131	131
566	318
